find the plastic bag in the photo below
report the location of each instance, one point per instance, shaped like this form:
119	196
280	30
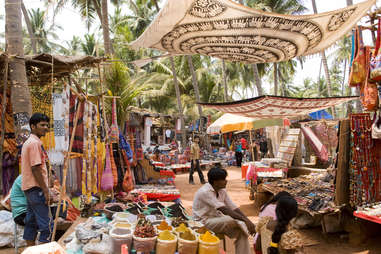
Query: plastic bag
102	247
166	246
144	244
47	248
7	227
208	248
187	247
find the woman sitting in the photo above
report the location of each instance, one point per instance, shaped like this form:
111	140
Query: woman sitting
273	226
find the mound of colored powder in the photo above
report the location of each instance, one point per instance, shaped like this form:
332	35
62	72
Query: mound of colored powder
181	228
164	226
187	235
166	236
208	237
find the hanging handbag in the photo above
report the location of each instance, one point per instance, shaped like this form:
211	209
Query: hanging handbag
369	92
376	127
358	70
375	63
107	181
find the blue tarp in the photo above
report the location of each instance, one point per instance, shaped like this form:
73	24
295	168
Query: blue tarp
321	114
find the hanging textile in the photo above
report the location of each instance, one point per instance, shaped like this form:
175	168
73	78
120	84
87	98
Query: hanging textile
365	177
8	171
78	136
93	160
227	30
114	131
107	180
101	148
319	148
9	128
114	169
42	98
125	146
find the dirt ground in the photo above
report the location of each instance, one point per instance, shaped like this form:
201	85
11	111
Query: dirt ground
328	244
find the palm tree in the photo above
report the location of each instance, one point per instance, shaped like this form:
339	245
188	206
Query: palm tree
90	45
20	94
195	85
29	27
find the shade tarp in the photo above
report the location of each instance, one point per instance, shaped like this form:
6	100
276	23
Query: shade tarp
230	31
321	114
267	106
229	123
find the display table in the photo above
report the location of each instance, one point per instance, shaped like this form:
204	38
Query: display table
363	216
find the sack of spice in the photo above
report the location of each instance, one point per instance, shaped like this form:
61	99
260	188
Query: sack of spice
187	242
166	243
144	236
208	244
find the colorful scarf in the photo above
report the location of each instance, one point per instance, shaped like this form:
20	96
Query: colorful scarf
78	137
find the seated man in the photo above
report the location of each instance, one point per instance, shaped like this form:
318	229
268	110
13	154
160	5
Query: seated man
213	207
18	202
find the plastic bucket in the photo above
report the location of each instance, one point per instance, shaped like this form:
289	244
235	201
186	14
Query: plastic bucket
144	244
208	248
187	247
120	236
166	246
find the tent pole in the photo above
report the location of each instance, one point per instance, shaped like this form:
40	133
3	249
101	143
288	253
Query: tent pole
251	146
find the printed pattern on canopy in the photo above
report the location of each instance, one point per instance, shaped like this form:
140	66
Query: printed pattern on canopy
277	107
230	31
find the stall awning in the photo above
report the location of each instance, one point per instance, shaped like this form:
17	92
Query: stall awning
230	123
267	106
230	31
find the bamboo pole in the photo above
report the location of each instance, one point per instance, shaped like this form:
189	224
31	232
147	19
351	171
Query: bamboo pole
66	163
4	107
251	145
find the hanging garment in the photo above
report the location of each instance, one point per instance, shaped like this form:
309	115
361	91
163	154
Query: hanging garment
107	181
114	169
76	106
319	148
9	169
56	157
114	131
125	146
9	136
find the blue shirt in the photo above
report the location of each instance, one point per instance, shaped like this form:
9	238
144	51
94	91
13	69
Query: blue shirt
238	148
18	199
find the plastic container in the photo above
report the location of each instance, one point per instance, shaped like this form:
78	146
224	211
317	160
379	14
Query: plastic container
187	247
120	236
166	246
208	247
144	244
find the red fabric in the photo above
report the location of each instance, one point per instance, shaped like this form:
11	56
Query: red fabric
367	217
161	197
244	143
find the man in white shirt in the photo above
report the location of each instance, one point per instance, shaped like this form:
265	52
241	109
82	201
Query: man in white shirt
214	208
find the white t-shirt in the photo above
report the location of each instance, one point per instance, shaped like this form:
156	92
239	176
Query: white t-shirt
206	202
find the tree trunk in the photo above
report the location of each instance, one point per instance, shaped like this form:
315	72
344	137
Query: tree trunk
29	27
156	5
178	97
275	79
258	81
195	87
225	81
20	94
105	28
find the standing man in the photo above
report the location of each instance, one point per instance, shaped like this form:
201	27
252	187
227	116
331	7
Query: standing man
35	182
214	208
195	161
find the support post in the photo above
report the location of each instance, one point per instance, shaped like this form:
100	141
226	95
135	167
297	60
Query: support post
343	157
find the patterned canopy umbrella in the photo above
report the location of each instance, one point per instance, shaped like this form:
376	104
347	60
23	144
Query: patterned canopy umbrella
230	31
277	107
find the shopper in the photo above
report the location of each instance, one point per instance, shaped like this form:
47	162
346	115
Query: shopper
195	161
18	202
238	153
35	182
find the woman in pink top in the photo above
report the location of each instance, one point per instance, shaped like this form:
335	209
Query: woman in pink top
268	210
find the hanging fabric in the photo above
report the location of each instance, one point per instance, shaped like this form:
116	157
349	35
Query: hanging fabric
113	166
375	63
78	136
107	181
357	75
369	92
114	131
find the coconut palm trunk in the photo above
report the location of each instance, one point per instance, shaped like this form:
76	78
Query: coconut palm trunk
257	79
275	79
102	12
225	81
195	86
29	27
20	94
178	97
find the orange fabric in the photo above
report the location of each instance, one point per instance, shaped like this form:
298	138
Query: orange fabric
32	155
358	71
369	92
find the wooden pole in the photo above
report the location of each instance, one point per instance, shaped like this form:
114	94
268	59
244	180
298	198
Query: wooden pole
251	146
343	157
66	164
4	108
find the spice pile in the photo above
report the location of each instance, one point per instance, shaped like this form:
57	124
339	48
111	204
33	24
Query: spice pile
166	236
187	235
209	238
144	229
164	226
